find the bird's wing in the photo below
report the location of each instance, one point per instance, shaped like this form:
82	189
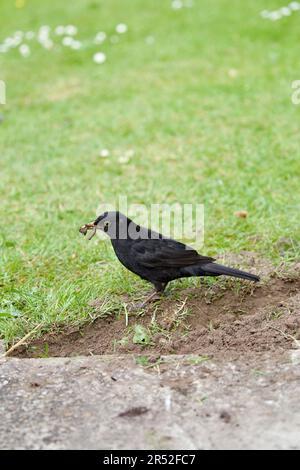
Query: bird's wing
164	253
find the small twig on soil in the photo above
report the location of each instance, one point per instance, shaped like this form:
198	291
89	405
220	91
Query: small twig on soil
155	364
22	341
286	335
126	314
181	307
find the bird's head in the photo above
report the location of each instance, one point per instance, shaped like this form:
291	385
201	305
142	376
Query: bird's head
113	223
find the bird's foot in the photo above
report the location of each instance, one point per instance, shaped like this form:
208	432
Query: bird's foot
153	297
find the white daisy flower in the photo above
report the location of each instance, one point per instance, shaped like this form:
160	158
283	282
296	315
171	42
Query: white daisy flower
67	41
123	159
59	30
285	11
47	43
43	34
45	27
99	58
71	30
294	6
265	14
121	28
9	42
19	34
100	37
44	31
15	41
24	50
275	16
104	153
177	4
76	45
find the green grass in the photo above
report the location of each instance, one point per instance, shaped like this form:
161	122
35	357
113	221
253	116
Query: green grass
199	135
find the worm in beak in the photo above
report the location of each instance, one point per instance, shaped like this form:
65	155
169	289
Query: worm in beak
85	228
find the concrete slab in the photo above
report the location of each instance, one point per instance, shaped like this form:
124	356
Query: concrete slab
108	402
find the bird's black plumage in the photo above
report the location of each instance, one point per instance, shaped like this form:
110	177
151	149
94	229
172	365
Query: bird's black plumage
156	258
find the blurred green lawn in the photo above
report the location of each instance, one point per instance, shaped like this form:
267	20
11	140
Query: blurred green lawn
206	108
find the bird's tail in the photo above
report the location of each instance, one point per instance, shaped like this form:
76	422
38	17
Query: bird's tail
218	270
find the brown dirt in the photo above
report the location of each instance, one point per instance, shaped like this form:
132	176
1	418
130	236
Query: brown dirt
227	316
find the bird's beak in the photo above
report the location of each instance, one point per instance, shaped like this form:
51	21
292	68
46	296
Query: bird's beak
86	227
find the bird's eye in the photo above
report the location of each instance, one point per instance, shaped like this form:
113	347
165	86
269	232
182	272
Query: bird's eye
106	226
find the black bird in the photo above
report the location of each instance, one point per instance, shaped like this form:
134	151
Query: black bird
156	258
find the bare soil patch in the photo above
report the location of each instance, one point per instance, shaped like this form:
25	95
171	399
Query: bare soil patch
227	316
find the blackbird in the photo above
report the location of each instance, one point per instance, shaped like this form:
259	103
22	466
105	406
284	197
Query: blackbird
156	258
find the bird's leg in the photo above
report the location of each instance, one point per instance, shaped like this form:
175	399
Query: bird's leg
160	287
155	295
